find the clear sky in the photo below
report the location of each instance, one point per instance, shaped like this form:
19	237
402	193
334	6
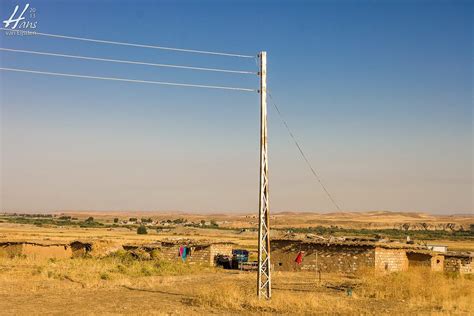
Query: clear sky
379	94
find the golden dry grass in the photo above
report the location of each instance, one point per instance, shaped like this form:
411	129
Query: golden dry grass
416	291
420	289
117	269
109	284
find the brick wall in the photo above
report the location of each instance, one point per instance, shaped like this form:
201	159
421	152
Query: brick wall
390	260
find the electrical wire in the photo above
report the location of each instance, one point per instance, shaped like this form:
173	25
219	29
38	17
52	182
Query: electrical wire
313	171
127	80
126	61
133	44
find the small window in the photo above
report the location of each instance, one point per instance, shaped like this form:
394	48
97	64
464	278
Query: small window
280	264
438	261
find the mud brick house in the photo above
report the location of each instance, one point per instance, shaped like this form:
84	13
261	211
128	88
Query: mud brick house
51	249
350	256
35	250
196	251
459	262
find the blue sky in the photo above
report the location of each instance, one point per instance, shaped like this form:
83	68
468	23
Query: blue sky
378	94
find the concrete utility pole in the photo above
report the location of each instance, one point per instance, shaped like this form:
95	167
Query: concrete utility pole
264	277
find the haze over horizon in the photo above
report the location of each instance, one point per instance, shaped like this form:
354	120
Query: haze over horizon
378	94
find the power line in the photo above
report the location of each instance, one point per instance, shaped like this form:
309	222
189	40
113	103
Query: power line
127	80
126	61
303	154
134	44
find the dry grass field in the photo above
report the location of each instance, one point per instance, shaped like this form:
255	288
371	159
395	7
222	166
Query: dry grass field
116	286
115	283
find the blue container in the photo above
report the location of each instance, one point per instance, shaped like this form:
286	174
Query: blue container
240	255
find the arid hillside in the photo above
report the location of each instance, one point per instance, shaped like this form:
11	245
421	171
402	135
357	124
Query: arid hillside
356	220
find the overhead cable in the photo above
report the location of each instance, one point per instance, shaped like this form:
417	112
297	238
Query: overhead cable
126	61
195	51
127	80
313	171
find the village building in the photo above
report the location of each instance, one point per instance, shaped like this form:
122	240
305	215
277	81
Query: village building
35	250
350	256
334	255
51	249
199	252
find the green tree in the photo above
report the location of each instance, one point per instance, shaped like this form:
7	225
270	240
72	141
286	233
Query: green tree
116	220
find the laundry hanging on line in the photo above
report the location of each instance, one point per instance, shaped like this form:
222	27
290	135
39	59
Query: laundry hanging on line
299	257
184	252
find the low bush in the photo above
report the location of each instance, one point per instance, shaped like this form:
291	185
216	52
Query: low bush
141	230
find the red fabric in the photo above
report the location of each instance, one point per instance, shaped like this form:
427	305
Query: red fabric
299	258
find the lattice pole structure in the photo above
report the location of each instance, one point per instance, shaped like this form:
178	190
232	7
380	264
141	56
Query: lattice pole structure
264	274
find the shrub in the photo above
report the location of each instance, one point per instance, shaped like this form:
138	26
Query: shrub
141	230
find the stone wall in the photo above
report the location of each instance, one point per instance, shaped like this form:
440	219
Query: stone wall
462	265
390	260
219	249
467	266
321	257
352	257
